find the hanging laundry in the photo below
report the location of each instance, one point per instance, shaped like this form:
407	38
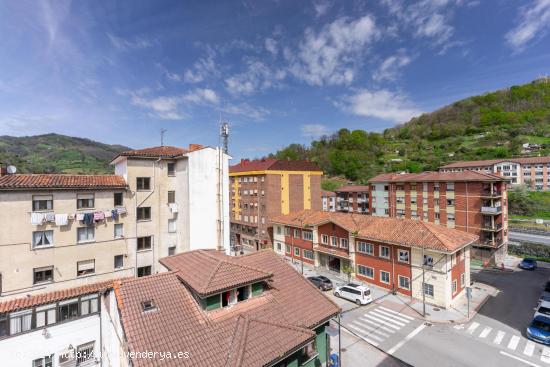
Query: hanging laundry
121	210
50	217
80	216
71	216
114	212
99	216
107	214
173	207
37	219
89	218
61	219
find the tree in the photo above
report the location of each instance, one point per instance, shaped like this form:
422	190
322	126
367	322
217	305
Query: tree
348	270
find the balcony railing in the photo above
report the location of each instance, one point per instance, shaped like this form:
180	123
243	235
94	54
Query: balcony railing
488	193
491	209
490	227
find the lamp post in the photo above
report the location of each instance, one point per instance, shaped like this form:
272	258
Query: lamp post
423	277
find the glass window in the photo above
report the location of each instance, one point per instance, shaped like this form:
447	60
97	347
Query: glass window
44	274
85	234
384	277
344	242
324	239
334	241
42	239
118	199
307	235
119	230
462	281
404	282
385	252
366	248
45	315
171	197
308	254
296	251
365	271
89	304
455	288
68	309
171	168
257	289
85	267
296	233
144	271
85	201
171	250
404	256
428	290
46	361
287	248
144	243
428	260
42	202
3	324
144	213
84	353
172	225
119	261
20	321
143	183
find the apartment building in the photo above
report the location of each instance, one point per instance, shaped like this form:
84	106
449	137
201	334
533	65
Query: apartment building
470	201
62	231
390	253
328	200
353	199
530	171
263	188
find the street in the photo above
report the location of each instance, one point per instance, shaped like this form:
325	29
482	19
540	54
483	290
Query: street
529	237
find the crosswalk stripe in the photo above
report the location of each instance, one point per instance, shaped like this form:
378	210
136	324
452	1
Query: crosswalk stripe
499	337
396	313
368	316
370	328
377	325
473	327
393	317
545	355
529	348
365	333
384	317
513	344
362	337
485	332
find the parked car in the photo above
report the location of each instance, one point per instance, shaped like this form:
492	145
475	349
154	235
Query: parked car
357	293
539	330
321	282
546	292
528	264
543	309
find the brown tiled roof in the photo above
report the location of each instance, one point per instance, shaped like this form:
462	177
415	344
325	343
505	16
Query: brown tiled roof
327	193
256	332
55	296
531	160
490	162
353	188
155	152
58	181
437	176
207	273
404	232
272	164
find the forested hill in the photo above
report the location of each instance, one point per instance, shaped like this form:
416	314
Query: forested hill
494	125
53	153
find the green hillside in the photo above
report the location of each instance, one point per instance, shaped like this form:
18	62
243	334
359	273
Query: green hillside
53	153
494	125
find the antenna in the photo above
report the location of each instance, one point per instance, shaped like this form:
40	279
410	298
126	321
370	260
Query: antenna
162	131
224	135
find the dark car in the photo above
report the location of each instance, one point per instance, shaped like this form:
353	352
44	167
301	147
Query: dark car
321	282
528	264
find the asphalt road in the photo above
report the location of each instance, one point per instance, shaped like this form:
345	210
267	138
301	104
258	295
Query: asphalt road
536	238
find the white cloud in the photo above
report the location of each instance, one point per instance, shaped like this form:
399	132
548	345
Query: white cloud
534	22
390	67
258	76
246	111
382	104
201	70
321	7
271	46
122	44
202	96
332	55
314	130
162	107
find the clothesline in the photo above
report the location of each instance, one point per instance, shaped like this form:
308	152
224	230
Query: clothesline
88	217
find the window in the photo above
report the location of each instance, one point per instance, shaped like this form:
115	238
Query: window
279	246
118	198
450	186
45	315
257	289
171	168
450	202
119	230
428	260
46	361
119	261
385	252
3	325
296	251
334	241
84	353
308	254
413	199
85	267
403	256
42	202
41	239
429	290
366	248
143	183
307	235
404	282
365	271
400	200
324	239
413	187
171	250
437	215
455	288
144	213
296	233
89	304
20	321
344	242
144	243
450	217
279	230
85	234
287	249
171	197
436	187
462	280
68	309
44	274
172	225
85	201
144	271
287	231
436	202
384	277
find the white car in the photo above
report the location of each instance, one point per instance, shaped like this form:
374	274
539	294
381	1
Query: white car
357	293
543	309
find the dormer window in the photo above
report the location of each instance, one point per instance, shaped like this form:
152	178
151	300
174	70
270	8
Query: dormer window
148	305
232	297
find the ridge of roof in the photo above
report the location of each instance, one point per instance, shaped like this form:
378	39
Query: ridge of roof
60	181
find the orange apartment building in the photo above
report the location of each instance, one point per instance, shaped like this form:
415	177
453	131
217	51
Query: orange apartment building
261	189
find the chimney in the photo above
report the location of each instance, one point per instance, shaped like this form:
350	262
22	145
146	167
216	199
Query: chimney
244	161
193	147
3	170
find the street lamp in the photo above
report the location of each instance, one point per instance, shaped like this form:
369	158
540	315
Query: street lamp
423	277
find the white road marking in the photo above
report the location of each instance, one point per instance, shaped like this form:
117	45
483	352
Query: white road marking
368	316
529	348
393	317
384	317
513	344
473	327
499	337
370	328
396	313
365	332
545	356
519	359
377	325
362	337
406	339
485	332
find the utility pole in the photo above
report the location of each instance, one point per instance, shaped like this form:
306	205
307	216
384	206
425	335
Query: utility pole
423	278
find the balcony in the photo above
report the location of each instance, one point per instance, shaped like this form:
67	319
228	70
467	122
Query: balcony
495	194
492	228
491	210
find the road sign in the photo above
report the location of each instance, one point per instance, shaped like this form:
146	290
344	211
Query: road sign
469	292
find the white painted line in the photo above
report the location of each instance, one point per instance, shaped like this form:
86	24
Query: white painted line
519	359
485	332
365	332
529	348
545	356
396	313
406	339
384	317
513	344
377	325
370	328
499	337
359	336
473	327
368	316
392	316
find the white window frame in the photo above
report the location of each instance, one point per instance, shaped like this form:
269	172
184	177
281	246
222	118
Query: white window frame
403	252
121	234
462	280
334	241
389	252
88	229
367	268
427	287
307	254
369	248
344	243
454	286
43	238
296	251
324	239
400	277
172	226
307	234
381	278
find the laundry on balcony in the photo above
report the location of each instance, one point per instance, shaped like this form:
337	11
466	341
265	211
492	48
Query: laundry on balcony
61	219
173	207
99	216
121	210
37	219
49	217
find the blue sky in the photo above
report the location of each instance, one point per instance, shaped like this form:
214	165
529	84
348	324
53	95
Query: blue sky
278	71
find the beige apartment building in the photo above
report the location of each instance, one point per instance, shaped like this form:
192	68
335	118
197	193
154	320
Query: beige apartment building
61	231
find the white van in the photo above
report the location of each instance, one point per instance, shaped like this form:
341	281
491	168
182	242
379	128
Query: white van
357	293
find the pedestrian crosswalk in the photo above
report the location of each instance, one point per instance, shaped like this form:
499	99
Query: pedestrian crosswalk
379	324
508	341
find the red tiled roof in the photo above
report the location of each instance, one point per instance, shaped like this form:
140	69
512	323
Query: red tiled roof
327	193
404	232
256	332
58	181
272	164
55	296
353	188
490	162
437	176
207	273
155	152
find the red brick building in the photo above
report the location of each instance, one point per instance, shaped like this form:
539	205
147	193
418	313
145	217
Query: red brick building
353	199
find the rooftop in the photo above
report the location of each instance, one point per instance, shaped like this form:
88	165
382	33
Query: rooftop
490	162
404	232
164	151
353	188
61	181
437	176
272	164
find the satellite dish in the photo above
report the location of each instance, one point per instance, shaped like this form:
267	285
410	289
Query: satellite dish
11	170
